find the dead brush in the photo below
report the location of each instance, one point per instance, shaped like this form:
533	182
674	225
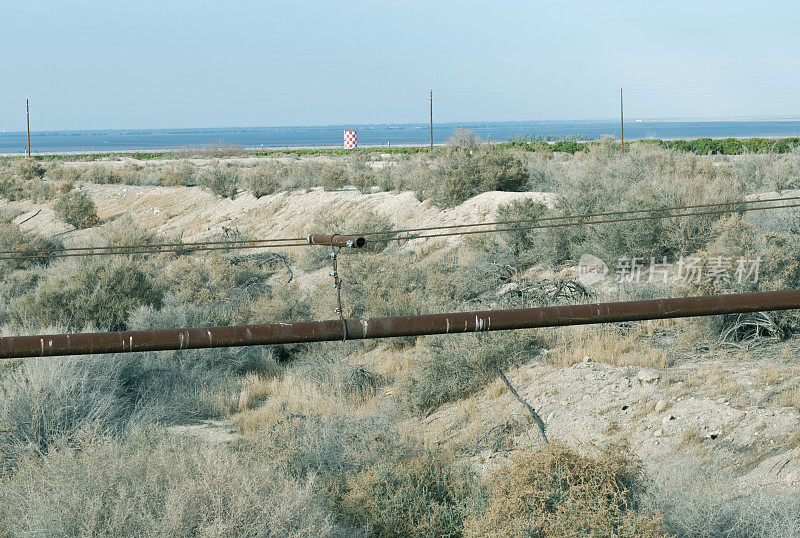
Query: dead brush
500	437
559	492
744	330
361	383
549	292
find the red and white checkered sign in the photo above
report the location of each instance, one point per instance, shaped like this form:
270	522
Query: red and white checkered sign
350	141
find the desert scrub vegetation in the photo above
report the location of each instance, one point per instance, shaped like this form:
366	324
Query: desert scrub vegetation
53	400
699	500
24	181
178	174
558	492
97	294
345	424
77	209
220	179
267	178
152	483
13	238
461	173
332	177
451	368
418	495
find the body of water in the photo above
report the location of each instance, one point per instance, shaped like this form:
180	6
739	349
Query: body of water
376	134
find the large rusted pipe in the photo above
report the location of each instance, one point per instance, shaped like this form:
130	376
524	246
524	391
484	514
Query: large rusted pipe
357	329
350	241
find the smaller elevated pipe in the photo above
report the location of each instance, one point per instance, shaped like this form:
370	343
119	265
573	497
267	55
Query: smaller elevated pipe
349	241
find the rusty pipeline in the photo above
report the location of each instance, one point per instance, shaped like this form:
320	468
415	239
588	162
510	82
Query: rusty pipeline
349	241
387	327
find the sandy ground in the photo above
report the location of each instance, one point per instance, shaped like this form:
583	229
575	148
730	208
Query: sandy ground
195	214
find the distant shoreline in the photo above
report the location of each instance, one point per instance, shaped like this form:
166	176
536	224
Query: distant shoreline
256	150
401	137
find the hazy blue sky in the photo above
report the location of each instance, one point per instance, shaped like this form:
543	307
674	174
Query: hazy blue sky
189	63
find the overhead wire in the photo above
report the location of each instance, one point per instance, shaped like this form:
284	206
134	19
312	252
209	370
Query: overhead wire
183	246
584	215
34	254
583	223
395	235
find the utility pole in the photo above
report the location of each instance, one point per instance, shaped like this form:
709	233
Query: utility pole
28	114
431	99
621	122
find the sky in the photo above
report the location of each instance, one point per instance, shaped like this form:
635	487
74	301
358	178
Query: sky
101	64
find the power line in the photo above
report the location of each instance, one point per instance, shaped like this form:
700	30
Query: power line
584	216
562	221
586	223
32	254
185	246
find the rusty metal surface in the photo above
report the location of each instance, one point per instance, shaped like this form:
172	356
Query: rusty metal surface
350	241
385	327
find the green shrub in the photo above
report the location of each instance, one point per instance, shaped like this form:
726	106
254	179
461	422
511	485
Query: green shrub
180	174
50	400
155	484
363	180
13	238
568	146
463	138
101	294
559	492
29	169
222	181
332	177
266	179
461	173
77	209
453	367
420	495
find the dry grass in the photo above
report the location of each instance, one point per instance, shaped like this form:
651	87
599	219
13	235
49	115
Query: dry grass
153	484
715	381
606	344
697	499
787	397
255	388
